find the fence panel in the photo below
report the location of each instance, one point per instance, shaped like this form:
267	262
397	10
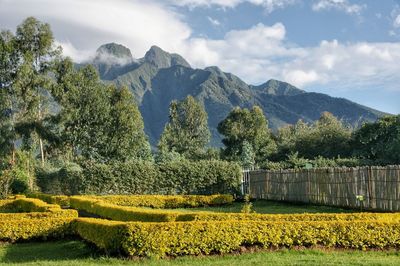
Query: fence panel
379	186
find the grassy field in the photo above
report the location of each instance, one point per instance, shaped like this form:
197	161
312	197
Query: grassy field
77	253
273	207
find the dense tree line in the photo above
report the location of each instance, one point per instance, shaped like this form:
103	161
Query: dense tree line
54	114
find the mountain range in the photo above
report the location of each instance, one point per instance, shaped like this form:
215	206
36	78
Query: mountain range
160	77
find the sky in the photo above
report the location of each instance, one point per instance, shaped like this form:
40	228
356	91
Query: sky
344	48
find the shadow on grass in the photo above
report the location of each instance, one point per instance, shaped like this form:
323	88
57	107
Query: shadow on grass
45	251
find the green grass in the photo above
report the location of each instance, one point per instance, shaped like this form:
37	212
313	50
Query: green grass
77	253
273	207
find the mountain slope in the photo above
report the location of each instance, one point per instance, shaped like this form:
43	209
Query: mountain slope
160	77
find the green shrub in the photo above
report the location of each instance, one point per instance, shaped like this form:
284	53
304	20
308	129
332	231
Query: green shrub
166	201
122	213
194	238
140	177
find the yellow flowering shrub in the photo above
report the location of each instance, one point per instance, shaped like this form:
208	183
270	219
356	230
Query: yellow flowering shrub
34	228
121	213
200	237
61	200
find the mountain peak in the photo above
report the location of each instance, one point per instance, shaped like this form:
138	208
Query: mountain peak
278	88
162	59
113	54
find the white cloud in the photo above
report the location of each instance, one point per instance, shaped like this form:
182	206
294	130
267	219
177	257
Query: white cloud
343	5
213	21
255	54
89	23
269	5
262	52
396	22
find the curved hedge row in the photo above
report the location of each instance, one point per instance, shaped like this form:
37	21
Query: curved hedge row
122	213
165	201
194	238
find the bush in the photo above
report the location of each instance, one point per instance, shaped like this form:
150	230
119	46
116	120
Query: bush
140	177
18	186
200	177
61	200
32	205
42	215
194	238
5	183
121	213
35	228
34	219
167	202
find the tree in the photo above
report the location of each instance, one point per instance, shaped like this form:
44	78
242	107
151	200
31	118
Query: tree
379	141
127	139
26	66
97	121
251	126
247	156
327	137
187	131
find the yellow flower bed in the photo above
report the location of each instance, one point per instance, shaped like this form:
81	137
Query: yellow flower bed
193	238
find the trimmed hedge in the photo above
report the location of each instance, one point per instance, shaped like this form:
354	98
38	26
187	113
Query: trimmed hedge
167	202
61	200
152	201
32	205
37	215
140	177
34	219
35	228
122	213
194	238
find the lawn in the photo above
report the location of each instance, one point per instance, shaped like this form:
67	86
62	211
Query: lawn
273	207
73	252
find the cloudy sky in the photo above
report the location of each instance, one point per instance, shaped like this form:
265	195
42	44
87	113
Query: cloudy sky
345	48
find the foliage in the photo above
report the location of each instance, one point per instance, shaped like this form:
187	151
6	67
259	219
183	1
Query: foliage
61	200
141	177
379	141
123	213
166	201
327	137
116	132
247	156
187	131
35	228
29	57
194	238
243	126
34	219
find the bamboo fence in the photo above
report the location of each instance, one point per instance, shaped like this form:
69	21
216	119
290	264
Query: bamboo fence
378	186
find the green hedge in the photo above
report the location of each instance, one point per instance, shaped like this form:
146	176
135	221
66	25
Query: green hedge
182	177
166	201
123	213
194	238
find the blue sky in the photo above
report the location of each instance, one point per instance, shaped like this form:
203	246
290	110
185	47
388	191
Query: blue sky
345	48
